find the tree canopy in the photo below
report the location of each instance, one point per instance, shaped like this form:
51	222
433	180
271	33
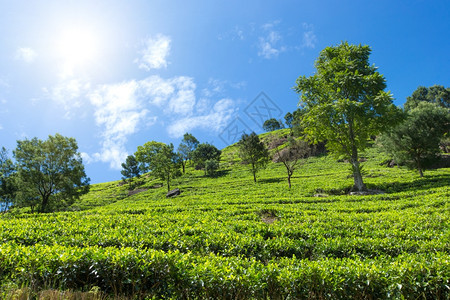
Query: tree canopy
131	168
160	159
436	94
415	142
272	124
345	103
50	170
253	152
205	152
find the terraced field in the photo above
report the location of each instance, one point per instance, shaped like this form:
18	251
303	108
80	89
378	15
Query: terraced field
229	238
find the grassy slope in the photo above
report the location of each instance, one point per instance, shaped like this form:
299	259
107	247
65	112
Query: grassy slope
231	216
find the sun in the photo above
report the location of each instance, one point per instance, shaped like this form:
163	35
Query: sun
77	48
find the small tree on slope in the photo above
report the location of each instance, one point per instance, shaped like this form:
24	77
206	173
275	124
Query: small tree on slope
253	152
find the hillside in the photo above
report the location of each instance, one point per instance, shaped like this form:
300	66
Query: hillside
229	238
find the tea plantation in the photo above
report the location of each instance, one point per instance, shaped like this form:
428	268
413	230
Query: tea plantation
226	237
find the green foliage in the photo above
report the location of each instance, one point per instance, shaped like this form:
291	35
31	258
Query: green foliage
51	171
345	102
7	180
203	153
288	118
131	168
415	142
186	147
253	152
146	153
436	94
211	166
160	159
272	124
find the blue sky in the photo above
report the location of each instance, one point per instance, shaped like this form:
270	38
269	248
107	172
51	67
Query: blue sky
116	74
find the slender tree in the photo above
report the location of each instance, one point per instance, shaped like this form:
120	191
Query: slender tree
288	118
186	147
160	159
345	103
7	180
292	156
166	164
253	152
50	170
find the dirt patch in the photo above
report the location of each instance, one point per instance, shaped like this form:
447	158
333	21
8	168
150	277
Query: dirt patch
268	219
137	191
268	216
156	186
368	192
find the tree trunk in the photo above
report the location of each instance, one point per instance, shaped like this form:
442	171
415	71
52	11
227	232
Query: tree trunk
184	166
168	182
254	172
419	165
289	180
357	177
44	203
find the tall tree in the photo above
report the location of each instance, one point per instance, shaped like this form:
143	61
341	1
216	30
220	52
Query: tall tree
435	94
203	153
186	147
288	118
50	170
131	168
7	180
146	153
160	159
253	152
272	124
345	103
415	142
292	156
166	164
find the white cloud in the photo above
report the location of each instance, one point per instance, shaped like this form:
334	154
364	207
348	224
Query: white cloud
309	37
176	94
217	118
218	87
235	34
121	109
25	54
118	111
269	44
69	93
155	52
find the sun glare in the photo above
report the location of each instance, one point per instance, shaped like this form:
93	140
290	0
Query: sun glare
77	48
